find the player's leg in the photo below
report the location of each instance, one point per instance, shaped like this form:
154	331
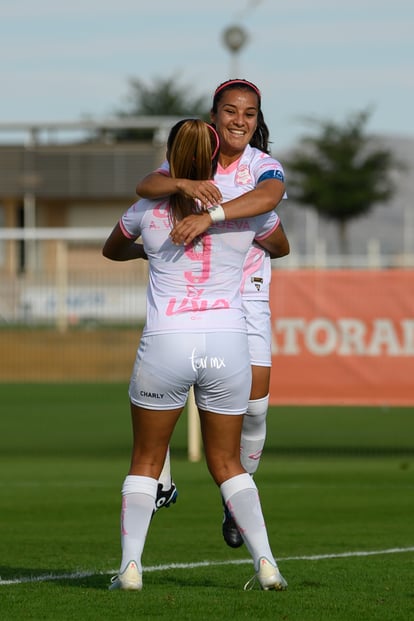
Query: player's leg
152	430
221	435
221	395
157	395
254	423
221	440
252	441
253	434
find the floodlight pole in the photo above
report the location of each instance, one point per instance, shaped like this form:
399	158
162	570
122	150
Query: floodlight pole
234	38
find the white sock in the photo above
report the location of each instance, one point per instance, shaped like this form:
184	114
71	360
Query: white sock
242	499
138	498
165	476
253	434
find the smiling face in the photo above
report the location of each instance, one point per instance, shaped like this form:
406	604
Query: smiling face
235	121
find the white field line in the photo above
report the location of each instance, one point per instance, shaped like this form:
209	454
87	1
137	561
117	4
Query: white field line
315	557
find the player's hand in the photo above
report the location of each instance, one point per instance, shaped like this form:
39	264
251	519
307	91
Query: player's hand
205	191
186	230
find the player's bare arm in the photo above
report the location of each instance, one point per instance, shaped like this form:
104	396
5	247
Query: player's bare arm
157	185
120	248
265	197
277	244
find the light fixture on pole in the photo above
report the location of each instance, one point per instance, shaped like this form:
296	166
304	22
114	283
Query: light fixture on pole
235	38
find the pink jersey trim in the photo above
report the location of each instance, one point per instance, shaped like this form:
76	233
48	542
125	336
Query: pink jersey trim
265	235
125	232
229	169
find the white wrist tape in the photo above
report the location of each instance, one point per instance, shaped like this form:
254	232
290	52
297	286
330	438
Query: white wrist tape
217	213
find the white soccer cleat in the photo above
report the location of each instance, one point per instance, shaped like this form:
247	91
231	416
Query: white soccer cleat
129	580
268	576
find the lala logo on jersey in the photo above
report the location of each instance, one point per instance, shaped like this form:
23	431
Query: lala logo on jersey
193	302
243	176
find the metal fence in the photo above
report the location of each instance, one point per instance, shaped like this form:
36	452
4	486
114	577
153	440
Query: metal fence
70	314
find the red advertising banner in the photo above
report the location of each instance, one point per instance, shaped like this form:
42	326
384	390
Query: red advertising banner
342	337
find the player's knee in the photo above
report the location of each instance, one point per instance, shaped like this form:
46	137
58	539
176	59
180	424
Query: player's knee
224	468
255	416
258	407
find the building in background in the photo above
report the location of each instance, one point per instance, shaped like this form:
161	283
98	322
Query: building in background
63	187
75	176
70	175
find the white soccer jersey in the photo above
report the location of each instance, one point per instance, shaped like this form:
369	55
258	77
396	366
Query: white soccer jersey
240	177
194	288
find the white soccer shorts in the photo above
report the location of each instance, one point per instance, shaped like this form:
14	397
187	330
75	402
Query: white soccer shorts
259	332
216	363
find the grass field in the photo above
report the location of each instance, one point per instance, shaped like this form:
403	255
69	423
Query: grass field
337	488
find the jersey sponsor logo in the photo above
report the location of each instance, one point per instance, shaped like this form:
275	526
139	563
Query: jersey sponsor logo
234	225
189	305
193	302
160	217
151	395
206	362
158	225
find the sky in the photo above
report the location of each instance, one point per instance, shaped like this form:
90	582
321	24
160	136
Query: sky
319	59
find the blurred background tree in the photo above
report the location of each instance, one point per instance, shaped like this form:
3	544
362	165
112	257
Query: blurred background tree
341	172
165	97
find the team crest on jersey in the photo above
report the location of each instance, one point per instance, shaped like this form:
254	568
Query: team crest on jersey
257	282
243	176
